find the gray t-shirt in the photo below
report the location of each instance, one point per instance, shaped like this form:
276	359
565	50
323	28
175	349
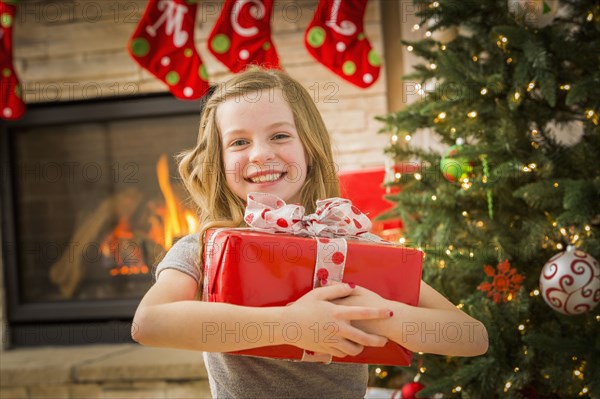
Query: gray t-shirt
236	376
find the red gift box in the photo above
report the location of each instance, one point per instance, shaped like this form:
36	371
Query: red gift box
259	269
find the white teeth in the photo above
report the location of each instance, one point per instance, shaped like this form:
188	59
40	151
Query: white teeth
266	178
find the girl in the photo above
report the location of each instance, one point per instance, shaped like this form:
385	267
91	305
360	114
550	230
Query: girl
261	131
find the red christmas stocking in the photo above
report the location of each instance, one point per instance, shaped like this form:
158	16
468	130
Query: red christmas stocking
163	43
335	37
242	35
12	106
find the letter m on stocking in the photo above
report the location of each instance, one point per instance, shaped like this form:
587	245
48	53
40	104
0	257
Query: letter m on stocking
169	53
172	17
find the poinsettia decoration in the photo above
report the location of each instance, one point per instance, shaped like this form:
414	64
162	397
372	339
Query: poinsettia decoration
505	282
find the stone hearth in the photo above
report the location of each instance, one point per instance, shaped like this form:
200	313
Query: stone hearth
102	371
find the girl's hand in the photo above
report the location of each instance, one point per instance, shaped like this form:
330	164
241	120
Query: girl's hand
326	327
365	297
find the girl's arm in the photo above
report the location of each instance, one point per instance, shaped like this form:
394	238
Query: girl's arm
434	326
168	316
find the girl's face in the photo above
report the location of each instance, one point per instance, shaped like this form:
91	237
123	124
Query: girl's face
261	147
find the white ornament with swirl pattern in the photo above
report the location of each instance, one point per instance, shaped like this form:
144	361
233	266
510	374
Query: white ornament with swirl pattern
570	282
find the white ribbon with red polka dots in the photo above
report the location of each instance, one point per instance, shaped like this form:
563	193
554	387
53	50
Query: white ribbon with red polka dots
334	218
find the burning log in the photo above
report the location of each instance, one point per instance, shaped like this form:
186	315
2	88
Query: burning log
131	236
68	271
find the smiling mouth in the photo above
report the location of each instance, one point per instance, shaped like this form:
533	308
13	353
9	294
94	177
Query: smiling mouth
269	178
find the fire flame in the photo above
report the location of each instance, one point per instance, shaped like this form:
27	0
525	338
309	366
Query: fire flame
167	223
176	223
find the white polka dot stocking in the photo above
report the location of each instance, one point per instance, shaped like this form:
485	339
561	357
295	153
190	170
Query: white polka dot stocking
242	35
163	43
12	106
336	38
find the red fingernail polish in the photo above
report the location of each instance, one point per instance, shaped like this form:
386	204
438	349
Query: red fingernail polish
391	313
352	285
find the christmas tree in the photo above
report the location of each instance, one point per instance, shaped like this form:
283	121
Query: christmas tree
512	89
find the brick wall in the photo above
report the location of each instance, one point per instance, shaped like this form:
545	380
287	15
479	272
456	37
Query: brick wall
66	49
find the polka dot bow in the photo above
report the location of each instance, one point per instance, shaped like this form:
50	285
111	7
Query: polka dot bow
333	217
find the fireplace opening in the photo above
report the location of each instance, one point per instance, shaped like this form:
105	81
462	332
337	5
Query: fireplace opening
90	203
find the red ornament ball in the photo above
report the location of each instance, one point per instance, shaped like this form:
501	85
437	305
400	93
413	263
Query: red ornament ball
410	390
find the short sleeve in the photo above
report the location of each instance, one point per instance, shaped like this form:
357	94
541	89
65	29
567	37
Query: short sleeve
184	256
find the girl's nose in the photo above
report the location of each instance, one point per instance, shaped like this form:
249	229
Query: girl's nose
261	153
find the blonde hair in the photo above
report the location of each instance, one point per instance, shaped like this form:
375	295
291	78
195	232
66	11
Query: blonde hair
201	168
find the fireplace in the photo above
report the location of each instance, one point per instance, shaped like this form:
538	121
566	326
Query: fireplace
90	202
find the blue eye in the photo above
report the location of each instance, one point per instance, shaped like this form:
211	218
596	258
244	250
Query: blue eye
281	135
